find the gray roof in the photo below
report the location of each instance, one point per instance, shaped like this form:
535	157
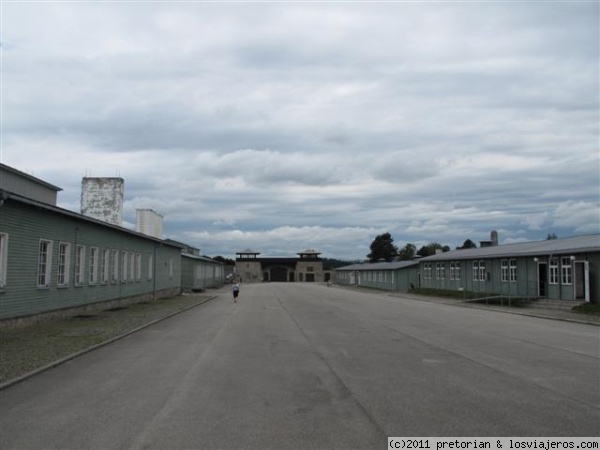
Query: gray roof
394	265
565	246
77	216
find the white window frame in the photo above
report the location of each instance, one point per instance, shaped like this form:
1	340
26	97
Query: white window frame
138	267
79	264
104	266
427	271
553	271
3	258
63	273
476	270
566	271
481	270
124	267
44	263
115	266
94	256
512	266
440	271
504	270
131	267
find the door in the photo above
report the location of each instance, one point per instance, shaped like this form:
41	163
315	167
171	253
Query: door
542	279
582	281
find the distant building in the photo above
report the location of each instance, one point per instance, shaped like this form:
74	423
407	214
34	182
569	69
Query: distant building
102	199
557	269
307	267
149	222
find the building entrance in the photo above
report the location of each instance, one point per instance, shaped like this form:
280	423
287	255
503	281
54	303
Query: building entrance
278	274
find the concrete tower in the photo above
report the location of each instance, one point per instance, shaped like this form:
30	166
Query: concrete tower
102	199
149	222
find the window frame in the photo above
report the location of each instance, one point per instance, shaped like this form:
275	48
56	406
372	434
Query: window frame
566	271
554	276
44	263
93	261
3	259
79	265
63	272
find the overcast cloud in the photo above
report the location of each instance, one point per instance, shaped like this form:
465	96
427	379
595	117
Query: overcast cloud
285	126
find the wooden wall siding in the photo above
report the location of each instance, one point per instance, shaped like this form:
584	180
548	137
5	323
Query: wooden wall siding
527	283
26	225
199	274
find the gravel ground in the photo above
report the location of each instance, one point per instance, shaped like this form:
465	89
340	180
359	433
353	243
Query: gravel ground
25	349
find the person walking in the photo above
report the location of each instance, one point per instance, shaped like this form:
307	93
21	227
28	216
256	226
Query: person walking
235	289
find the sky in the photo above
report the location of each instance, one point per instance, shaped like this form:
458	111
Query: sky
285	126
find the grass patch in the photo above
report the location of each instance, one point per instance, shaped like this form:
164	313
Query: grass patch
26	348
587	308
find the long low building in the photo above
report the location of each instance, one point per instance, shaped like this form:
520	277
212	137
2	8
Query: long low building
556	269
53	259
559	269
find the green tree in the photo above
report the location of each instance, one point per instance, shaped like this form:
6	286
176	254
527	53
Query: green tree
430	249
226	261
467	244
407	252
383	247
551	237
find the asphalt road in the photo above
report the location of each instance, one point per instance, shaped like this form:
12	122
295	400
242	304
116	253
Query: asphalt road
294	366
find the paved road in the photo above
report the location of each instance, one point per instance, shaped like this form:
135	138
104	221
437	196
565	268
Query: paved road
306	366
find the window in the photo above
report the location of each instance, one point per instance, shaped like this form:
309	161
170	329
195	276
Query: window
3	258
440	271
115	266
44	258
479	270
170	267
138	267
124	267
566	270
553	270
64	264
94	265
310	269
104	267
150	266
131	266
513	270
504	270
455	270
427	271
79	264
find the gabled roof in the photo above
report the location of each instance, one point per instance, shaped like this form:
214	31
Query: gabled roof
565	246
394	265
65	212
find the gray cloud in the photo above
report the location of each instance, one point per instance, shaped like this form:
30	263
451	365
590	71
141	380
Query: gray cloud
286	126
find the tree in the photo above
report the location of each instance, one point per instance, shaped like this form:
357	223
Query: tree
430	249
551	237
383	247
407	252
226	261
467	244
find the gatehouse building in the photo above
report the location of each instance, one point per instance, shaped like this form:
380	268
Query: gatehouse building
306	267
